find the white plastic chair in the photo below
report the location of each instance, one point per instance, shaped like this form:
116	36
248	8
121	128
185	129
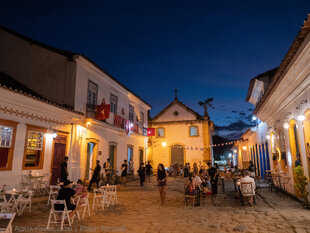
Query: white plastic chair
10	217
54	189
111	192
97	198
64	214
44	183
24	201
247	190
105	201
4	204
83	203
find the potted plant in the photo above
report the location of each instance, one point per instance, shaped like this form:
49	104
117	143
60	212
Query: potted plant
301	182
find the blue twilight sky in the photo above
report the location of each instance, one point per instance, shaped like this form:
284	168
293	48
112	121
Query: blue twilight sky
203	48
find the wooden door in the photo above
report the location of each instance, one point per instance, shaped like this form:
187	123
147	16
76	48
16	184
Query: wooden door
59	155
177	154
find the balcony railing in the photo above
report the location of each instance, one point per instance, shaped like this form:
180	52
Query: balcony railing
90	110
118	121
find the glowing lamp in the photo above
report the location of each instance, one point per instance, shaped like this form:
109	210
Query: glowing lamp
164	144
229	155
88	123
244	147
235	151
301	117
254	118
268	137
286	125
54	135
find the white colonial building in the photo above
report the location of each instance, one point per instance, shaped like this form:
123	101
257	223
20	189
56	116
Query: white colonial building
282	109
51	95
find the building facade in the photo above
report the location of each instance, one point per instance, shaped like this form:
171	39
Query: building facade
75	86
282	110
181	136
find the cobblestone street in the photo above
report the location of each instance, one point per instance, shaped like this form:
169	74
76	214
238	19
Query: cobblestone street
138	210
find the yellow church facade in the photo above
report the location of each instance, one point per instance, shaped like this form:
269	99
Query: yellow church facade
181	136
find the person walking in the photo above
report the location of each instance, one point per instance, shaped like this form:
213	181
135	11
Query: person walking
96	175
162	183
141	173
107	168
213	173
148	170
124	172
64	170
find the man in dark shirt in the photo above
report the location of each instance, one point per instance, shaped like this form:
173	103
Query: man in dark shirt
148	170
213	173
124	172
65	193
96	175
64	170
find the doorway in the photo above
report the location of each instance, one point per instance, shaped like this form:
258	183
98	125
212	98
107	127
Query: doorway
112	156
140	156
130	154
177	155
90	159
58	157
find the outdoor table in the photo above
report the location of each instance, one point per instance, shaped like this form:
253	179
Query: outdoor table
14	198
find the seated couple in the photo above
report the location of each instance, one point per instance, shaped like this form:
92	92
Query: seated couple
66	192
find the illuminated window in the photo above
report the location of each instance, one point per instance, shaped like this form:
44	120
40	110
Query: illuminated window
7	138
294	143
34	151
160	132
35	140
193	131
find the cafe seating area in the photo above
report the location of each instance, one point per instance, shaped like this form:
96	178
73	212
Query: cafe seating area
15	202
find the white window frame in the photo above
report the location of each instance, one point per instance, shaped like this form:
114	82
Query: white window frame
113	104
93	88
6	139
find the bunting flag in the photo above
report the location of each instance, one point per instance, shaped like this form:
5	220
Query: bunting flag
150	131
102	111
194	147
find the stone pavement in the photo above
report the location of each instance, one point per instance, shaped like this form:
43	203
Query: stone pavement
138	210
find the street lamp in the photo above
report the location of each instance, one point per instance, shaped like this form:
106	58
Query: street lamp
164	144
301	117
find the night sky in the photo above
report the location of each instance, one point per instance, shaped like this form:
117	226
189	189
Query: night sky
203	48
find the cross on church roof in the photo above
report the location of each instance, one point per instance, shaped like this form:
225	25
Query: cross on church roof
176	93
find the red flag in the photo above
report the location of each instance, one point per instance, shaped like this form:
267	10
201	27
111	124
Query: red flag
150	131
102	111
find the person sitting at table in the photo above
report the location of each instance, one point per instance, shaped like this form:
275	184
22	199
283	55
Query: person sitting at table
251	169
65	193
245	178
80	190
190	186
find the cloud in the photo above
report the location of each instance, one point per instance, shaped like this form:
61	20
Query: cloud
234	126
